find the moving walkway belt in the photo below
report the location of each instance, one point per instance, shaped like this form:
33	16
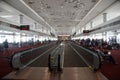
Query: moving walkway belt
92	59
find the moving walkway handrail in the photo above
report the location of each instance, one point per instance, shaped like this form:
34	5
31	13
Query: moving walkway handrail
92	59
22	59
56	58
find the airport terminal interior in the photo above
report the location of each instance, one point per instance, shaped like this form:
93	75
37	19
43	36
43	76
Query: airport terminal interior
59	39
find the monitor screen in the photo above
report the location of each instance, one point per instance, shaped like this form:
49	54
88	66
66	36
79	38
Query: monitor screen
24	27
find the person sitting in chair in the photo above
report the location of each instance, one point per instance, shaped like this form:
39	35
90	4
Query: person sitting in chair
107	55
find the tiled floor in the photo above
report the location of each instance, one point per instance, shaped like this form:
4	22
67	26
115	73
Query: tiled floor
42	73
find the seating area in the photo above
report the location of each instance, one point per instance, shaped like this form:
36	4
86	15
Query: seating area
110	56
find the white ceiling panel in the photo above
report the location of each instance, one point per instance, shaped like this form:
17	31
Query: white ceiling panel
64	16
61	13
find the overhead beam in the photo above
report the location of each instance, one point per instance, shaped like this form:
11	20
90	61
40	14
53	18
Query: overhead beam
25	9
96	10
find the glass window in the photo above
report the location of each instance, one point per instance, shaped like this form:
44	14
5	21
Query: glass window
97	21
113	11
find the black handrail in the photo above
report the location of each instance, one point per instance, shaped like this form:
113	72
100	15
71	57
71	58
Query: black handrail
92	59
22	59
55	59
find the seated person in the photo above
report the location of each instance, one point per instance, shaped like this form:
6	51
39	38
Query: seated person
107	55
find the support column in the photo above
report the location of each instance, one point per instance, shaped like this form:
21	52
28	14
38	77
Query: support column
35	25
14	41
104	17
20	43
21	19
21	22
106	36
115	34
85	28
91	24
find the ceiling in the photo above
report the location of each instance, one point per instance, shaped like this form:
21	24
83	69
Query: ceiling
62	15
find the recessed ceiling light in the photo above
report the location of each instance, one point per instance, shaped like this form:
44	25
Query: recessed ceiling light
63	35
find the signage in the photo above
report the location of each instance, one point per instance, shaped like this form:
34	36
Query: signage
24	27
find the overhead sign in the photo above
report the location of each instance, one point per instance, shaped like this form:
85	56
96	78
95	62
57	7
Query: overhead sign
85	31
24	27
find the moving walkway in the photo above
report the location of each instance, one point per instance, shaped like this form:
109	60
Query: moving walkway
56	64
56	58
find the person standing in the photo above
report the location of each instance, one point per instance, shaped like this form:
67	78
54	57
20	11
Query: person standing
6	46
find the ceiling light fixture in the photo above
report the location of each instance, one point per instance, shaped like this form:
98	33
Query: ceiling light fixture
6	16
64	35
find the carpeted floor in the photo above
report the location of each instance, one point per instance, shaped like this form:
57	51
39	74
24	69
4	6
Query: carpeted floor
5	67
111	71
